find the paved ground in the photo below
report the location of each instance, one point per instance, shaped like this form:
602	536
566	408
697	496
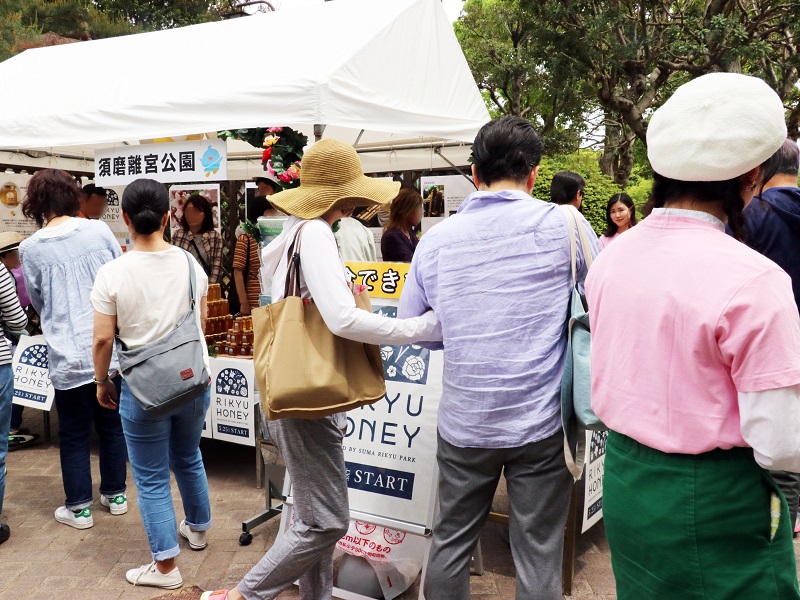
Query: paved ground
45	559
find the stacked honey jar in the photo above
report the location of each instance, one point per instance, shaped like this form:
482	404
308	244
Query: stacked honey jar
239	339
219	321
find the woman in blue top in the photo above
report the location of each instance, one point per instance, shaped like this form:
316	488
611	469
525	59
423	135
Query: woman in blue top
59	263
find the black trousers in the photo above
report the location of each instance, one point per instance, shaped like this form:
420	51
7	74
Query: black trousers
789	483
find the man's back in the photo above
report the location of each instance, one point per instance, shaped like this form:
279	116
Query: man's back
773	229
498	276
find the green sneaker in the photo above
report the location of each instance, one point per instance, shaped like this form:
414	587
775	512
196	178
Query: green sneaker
81	519
118	504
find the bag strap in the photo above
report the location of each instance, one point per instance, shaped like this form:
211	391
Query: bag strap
192	281
573	225
573	250
293	266
202	256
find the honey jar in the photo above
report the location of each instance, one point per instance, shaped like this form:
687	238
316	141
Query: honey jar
247	338
232	350
224	308
9	194
244	350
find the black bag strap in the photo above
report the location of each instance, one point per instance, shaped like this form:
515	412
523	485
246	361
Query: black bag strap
200	254
192	281
293	266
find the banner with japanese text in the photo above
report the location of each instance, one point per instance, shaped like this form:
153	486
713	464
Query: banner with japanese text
232	400
382	279
174	162
593	477
32	385
390	446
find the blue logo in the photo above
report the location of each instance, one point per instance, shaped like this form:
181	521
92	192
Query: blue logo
35	356
406	364
232	382
377	480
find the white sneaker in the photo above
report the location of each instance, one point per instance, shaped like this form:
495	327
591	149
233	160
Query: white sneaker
149	575
197	539
81	519
118	504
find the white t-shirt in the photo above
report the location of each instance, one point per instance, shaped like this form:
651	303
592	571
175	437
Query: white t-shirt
148	292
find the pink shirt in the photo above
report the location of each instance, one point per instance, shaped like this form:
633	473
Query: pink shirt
606	240
683	318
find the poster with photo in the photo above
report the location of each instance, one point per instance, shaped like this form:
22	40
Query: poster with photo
443	194
13	188
113	217
178	194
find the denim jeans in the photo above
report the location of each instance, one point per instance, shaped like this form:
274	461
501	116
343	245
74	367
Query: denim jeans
156	445
77	408
16	415
6	396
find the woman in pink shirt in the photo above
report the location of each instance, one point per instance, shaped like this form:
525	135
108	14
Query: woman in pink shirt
696	363
620	216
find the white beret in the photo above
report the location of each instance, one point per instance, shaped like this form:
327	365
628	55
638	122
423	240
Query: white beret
715	128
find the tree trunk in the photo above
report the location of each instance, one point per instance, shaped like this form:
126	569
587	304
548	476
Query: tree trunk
613	136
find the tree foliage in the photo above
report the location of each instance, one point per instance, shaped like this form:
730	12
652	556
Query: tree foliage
502	43
625	57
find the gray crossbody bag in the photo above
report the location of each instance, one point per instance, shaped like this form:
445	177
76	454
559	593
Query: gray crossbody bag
168	373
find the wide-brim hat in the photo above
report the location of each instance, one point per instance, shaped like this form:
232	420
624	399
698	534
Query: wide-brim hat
715	128
331	177
10	240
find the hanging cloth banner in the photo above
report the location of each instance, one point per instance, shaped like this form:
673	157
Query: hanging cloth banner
174	162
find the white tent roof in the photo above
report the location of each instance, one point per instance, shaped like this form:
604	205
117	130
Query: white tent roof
388	73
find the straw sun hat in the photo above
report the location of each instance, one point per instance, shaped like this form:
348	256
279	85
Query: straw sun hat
332	178
10	240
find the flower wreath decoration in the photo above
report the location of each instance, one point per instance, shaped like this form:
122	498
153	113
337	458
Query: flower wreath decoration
283	150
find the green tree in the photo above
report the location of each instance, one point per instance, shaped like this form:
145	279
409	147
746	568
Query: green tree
501	40
635	53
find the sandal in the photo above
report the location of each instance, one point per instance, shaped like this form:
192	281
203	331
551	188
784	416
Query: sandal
218	595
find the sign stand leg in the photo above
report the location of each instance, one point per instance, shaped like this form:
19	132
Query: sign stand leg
570	537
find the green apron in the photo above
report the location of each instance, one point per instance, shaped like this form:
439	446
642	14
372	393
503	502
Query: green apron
712	526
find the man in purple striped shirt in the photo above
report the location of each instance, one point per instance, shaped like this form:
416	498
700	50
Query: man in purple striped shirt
497	274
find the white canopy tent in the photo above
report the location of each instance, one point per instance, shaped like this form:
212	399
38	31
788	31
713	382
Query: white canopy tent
387	76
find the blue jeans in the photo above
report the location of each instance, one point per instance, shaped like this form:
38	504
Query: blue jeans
77	408
156	445
6	396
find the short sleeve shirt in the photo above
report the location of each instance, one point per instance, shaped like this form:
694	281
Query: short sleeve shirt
684	318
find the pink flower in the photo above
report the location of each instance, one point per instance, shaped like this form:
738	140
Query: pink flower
270	170
275	129
284	178
293	172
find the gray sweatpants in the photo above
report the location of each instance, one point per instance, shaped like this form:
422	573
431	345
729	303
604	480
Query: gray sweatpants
312	451
538	494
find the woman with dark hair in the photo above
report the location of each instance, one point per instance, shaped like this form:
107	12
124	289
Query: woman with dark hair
59	263
620	216
696	363
129	298
246	261
198	236
399	238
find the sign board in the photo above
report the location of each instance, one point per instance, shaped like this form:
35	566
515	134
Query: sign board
178	194
232	401
32	385
595	468
382	279
175	162
113	217
13	188
454	189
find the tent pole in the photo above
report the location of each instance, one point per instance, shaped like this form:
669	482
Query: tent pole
318	131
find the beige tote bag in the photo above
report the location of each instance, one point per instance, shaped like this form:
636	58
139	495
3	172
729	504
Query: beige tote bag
303	370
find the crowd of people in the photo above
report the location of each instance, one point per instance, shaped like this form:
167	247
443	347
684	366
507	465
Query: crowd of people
695	353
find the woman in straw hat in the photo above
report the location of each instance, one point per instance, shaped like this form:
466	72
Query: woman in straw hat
332	184
702	395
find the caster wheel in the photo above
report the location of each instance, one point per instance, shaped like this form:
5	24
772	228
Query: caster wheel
245	539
